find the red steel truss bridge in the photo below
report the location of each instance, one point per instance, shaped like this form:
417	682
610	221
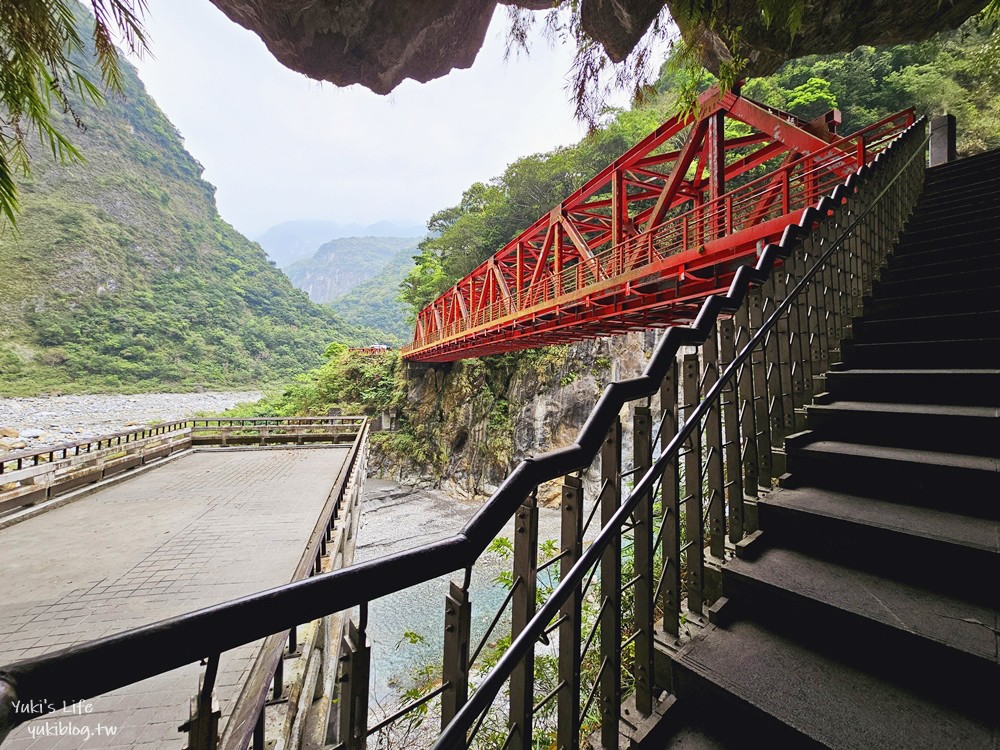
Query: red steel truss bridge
652	234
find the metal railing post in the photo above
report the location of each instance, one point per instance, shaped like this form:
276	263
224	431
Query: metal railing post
773	373
457	627
202	728
693	526
570	642
522	680
731	424
611	576
747	413
356	658
642	518
670	597
713	442
761	402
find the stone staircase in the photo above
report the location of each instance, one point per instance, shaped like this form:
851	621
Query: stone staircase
864	613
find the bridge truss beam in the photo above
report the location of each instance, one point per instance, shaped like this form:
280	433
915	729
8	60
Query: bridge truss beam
654	232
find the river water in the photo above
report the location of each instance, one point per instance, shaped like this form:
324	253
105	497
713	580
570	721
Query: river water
395	518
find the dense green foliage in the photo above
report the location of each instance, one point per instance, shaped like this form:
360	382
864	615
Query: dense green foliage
375	303
954	72
122	276
41	74
353	383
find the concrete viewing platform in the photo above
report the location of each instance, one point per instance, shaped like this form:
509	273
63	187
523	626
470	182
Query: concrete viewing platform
201	528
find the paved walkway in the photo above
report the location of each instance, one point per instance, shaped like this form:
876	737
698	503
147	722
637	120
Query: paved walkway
199	530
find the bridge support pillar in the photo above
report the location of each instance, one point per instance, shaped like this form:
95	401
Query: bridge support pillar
942	140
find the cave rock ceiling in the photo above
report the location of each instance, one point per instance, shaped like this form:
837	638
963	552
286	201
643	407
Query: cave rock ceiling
380	43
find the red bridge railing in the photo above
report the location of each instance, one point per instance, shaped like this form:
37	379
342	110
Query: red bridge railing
563	279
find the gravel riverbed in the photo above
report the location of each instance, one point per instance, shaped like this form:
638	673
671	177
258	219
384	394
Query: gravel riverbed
50	420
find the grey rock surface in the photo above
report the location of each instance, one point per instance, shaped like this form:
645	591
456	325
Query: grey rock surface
51	420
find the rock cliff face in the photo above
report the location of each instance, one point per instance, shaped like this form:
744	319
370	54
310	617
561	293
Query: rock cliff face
341	264
379	43
476	421
828	26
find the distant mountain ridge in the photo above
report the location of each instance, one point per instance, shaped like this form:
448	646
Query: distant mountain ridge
375	303
341	264
123	276
299	239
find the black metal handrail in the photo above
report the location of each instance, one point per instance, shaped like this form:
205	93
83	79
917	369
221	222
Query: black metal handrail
109	663
454	735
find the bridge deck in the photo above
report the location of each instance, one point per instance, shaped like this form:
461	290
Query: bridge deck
207	527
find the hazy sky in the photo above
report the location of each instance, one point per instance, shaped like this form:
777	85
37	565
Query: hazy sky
279	146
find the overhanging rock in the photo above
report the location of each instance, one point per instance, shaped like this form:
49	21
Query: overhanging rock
380	43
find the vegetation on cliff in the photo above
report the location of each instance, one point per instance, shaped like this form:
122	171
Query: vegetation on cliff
121	275
375	302
41	74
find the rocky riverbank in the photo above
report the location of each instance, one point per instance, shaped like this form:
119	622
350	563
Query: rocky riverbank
51	420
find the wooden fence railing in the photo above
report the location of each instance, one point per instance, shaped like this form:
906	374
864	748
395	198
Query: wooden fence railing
28	477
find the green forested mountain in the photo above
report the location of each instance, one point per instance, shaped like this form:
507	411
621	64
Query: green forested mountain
375	303
955	72
122	275
341	264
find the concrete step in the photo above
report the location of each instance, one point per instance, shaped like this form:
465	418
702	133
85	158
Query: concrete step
974	234
982	200
913	386
969	187
934	548
988	263
967	483
948	225
977	227
977	278
962	213
927	327
971	353
970	192
788	695
901	258
986	161
943	427
899	630
947	302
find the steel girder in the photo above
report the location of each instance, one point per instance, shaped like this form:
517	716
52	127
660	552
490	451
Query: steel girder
659	228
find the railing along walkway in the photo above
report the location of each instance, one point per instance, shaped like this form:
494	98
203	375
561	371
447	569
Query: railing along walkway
29	477
205	526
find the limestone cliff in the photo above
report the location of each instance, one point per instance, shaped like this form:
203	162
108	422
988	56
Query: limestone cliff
474	419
